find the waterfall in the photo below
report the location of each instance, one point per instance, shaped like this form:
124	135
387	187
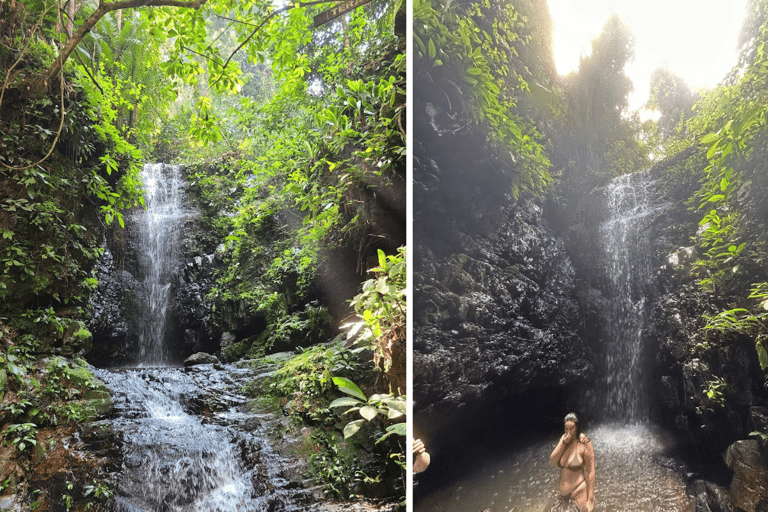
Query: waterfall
157	256
190	440
626	260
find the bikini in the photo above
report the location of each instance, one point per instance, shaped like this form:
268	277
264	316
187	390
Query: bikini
569	503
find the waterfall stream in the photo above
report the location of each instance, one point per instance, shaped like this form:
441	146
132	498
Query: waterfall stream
633	471
157	255
190	442
179	455
627	252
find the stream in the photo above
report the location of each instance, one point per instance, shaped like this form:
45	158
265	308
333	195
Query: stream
189	445
632	475
190	440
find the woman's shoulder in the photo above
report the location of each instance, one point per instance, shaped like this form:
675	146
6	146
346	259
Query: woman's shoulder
583	439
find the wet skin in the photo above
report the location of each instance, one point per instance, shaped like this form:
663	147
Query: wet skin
577	460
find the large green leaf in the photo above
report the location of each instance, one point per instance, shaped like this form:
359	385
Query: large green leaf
345	401
397	408
349	387
762	354
368	412
352	427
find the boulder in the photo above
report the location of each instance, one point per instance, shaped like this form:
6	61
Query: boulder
200	358
709	497
749	487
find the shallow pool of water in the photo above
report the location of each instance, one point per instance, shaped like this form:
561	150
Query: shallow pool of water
629	477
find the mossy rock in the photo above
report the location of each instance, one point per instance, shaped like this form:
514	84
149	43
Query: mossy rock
94	408
96	396
235	351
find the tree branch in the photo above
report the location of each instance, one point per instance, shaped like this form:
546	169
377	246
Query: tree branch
190	50
71	43
89	73
264	22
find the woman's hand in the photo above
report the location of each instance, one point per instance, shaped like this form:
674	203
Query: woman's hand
421	458
567	438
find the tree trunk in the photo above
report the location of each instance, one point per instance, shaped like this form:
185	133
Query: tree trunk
71	17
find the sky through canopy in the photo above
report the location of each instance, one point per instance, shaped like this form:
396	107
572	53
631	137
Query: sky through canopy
694	38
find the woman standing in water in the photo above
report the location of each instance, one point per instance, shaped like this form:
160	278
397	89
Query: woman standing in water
575	455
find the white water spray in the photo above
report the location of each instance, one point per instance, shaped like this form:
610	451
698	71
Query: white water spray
627	257
157	255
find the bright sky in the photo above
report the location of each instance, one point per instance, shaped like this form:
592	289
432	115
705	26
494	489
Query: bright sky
694	38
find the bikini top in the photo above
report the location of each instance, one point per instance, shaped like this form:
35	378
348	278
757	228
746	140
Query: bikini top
577	461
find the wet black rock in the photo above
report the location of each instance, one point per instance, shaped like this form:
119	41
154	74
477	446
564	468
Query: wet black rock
708	497
495	311
113	308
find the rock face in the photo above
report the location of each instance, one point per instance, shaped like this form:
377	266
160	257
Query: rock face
495	312
708	497
749	488
119	306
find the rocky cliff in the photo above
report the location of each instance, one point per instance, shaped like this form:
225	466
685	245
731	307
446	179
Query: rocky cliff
496	313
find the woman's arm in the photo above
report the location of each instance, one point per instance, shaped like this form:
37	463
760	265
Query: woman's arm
589	473
554	459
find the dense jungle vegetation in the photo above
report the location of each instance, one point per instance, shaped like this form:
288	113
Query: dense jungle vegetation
286	132
484	71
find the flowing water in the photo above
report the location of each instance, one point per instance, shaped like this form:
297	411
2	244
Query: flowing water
630	477
627	253
632	470
159	227
189	442
179	455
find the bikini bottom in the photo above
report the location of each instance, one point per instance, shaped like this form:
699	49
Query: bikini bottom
566	504
569	503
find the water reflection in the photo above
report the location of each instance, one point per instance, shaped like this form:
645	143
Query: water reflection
629	477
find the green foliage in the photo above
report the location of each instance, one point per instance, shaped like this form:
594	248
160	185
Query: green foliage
300	186
49	231
66	498
370	408
60	392
729	131
303	384
345	465
715	390
381	308
673	99
22	436
335	465
752	322
96	492
602	136
469	52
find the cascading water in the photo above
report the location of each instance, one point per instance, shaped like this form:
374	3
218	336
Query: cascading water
177	459
157	256
626	260
188	442
633	472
